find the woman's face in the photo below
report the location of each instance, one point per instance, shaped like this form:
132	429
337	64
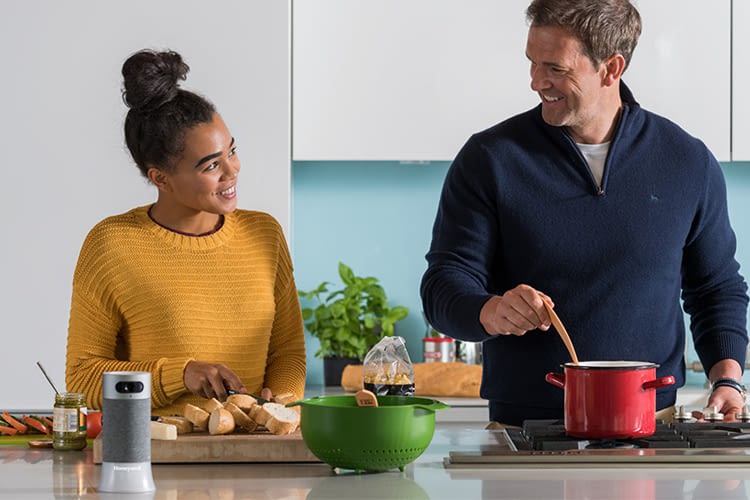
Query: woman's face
204	178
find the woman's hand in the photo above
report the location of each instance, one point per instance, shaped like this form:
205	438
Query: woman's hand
212	380
266	394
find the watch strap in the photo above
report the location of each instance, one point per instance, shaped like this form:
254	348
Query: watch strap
729	382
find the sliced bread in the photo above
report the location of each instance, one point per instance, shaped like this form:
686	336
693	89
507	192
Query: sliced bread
198	416
278	419
183	425
220	421
241	419
242	401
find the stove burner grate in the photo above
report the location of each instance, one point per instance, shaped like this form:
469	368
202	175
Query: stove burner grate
549	435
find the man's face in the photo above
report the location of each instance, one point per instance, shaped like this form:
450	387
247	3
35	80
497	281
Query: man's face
571	88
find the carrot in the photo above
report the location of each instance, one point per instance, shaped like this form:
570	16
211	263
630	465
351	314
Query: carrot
19	426
35	424
47	421
9	431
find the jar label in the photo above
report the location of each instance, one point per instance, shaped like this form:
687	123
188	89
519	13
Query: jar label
68	420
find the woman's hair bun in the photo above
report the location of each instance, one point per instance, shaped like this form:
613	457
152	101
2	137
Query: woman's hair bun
150	79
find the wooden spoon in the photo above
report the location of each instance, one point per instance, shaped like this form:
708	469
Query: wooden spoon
366	398
562	331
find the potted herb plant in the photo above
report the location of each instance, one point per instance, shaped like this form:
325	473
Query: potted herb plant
348	321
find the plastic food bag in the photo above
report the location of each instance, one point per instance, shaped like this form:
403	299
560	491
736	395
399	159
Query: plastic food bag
387	369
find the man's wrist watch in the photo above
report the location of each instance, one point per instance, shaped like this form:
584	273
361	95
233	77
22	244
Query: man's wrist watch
729	382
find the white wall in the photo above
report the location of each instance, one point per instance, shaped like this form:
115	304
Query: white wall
65	165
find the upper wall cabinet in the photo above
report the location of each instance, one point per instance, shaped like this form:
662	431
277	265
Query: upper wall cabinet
396	80
681	68
740	78
404	80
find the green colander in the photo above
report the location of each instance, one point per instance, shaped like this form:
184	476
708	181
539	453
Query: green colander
367	438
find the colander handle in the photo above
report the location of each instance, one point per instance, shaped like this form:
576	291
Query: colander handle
436	405
302	401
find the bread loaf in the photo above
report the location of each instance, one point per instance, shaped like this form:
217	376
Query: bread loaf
254	411
264	412
430	379
243	401
220	422
241	419
278	418
211	404
198	416
182	424
166	432
284	398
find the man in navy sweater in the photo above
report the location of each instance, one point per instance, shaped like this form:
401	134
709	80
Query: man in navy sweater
612	214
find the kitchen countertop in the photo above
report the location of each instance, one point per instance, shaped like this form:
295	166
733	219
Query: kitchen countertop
31	473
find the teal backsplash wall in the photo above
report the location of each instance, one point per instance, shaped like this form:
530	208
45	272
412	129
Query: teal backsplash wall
377	218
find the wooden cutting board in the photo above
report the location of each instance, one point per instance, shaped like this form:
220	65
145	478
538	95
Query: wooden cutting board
201	447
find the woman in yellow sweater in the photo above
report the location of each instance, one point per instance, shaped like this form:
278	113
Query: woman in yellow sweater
191	289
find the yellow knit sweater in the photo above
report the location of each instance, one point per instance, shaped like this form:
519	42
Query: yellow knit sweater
148	299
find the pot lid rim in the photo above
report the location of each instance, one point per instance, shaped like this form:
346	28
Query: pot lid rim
624	365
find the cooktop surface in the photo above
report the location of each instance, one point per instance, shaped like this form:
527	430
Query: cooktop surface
544	442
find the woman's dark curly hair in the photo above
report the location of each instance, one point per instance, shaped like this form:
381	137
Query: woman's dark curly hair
160	111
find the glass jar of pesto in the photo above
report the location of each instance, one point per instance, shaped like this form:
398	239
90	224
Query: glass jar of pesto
69	421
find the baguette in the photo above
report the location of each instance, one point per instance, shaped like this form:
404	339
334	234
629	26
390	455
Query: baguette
241	419
220	421
254	413
279	419
284	398
198	416
243	401
211	404
165	432
182	424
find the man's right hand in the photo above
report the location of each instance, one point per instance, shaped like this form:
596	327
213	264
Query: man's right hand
211	380
516	312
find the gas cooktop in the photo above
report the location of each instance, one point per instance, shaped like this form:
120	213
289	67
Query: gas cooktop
544	442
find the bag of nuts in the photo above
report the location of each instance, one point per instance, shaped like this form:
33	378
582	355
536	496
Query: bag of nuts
387	368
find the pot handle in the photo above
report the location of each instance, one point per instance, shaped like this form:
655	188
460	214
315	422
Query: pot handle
659	382
556	379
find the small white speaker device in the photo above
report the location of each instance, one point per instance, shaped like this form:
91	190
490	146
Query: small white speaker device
126	433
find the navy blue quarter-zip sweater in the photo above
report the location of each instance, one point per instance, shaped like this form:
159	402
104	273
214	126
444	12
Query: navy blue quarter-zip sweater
519	205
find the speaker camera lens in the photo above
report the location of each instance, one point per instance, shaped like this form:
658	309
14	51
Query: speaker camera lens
129	387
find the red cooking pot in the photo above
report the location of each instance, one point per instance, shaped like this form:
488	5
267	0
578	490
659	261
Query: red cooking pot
609	399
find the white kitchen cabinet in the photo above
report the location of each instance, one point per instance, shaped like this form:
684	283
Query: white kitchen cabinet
67	164
740	80
682	69
395	80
